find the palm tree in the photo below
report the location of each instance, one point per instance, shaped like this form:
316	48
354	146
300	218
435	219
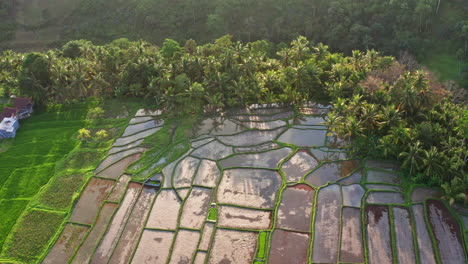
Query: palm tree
432	164
412	158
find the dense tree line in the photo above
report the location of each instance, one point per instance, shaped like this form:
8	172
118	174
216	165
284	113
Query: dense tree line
389	26
387	109
7	23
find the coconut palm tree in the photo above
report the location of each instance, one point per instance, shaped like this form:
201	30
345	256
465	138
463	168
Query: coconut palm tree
412	157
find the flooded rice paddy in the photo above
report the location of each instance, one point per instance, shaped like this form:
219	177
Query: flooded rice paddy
257	186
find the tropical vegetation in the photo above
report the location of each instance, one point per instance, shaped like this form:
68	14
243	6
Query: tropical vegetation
389	109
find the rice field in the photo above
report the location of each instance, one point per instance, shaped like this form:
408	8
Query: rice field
259	185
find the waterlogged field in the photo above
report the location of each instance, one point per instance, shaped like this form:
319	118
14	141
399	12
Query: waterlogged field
257	186
254	186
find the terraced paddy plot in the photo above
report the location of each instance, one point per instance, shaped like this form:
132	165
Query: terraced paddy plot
168	171
148	112
269	159
26	182
126	147
298	166
134	226
198	143
119	188
136	128
111	238
65	246
352	195
333	141
258	148
447	233
165	211
185	171
243	218
385	198
249	187
384	187
200	257
228	127
195	208
288	247
295	210
383	177
354	178
420	194
207	235
205	126
208	174
378	234
308	121
213	150
115	170
326	154
264	118
403	235
264	125
304	137
250	138
151	240
140	119
327	225
127	140
85	251
93	195
331	172
426	252
185	246
231	246
351	250
113	158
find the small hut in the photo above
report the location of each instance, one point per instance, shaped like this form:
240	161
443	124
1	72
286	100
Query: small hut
9	123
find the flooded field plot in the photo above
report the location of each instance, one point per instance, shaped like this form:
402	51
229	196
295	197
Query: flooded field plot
298	166
331	172
241	218
269	159
249	187
66	244
295	210
91	199
262	186
230	246
151	240
288	247
304	137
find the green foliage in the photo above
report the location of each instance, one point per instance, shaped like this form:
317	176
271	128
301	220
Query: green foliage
399	114
95	113
213	214
34	76
10	211
26	182
32	235
171	49
75	48
84	134
60	192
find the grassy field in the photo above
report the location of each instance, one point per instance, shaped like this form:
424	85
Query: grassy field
43	170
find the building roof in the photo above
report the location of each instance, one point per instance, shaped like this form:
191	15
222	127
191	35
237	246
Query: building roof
22	103
7	112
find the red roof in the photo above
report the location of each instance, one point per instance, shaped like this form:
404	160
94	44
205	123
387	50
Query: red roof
22	103
7	112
